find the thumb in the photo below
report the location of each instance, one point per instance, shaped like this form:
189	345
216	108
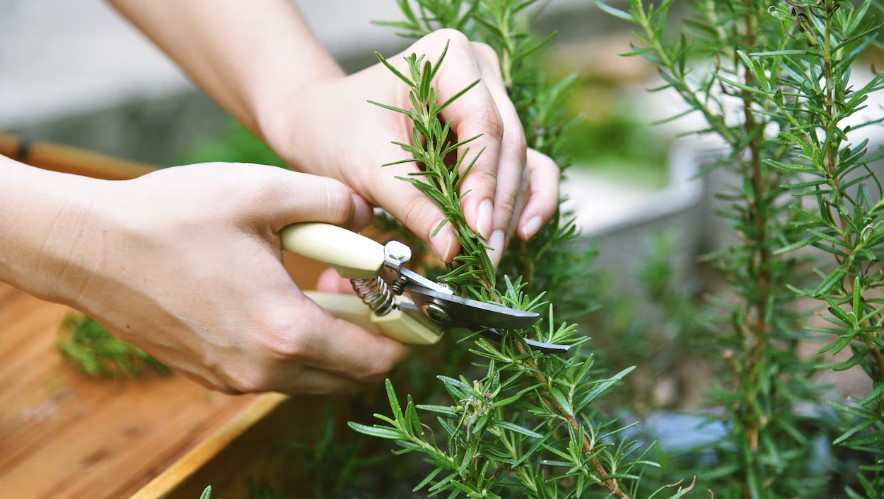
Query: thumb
299	197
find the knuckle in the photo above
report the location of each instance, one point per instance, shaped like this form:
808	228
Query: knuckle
480	182
549	171
378	359
486	52
542	167
417	213
548	163
339	201
487	178
252	186
245	376
380	369
280	338
507	204
488	119
453	36
540	160
253	380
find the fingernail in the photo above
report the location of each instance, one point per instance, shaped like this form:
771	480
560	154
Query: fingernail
483	218
496	246
443	242
531	227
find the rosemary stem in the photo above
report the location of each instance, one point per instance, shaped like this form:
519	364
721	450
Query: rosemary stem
573	421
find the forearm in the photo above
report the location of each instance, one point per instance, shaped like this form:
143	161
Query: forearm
42	221
248	55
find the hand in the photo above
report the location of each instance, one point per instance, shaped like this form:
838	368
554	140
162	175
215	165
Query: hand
327	127
186	263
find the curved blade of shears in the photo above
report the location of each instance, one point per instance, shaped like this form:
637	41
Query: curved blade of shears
472	314
540	345
494	334
465	312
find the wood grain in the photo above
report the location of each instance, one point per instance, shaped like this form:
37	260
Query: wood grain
64	435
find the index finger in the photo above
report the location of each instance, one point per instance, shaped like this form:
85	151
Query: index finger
474	116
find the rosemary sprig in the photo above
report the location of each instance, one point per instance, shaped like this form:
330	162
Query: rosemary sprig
92	349
432	141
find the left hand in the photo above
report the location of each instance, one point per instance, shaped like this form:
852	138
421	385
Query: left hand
326	127
186	263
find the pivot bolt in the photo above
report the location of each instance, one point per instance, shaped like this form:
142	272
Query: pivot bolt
437	313
396	253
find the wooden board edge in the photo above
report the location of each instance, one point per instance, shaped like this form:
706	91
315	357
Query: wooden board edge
66	159
166	482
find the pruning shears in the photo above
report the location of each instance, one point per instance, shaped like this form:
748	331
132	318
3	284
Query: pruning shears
393	300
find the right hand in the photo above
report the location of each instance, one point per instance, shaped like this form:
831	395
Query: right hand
299	121
186	264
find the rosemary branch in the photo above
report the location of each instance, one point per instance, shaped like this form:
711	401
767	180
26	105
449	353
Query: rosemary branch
471	271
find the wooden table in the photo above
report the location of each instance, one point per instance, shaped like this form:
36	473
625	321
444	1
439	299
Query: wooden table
63	434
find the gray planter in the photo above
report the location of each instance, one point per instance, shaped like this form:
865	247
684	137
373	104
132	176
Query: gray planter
623	221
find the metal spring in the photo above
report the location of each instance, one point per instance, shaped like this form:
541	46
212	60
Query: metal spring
398	286
375	293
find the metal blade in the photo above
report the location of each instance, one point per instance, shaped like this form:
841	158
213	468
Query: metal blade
415	279
450	311
550	348
456	311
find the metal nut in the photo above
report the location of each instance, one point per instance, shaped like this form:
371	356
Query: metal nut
437	313
396	253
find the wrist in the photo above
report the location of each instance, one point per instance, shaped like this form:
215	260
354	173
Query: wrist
285	115
44	227
296	61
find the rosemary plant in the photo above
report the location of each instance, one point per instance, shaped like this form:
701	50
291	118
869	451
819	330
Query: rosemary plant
778	92
527	426
92	349
818	99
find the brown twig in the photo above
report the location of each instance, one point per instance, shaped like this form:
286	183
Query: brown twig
762	258
612	484
879	359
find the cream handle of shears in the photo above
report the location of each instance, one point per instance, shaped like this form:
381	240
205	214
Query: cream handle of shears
355	257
